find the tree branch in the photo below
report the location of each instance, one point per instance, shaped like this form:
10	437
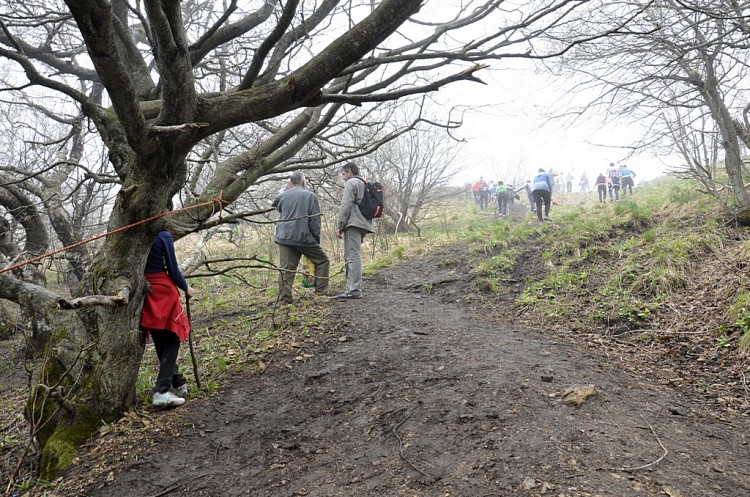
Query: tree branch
119	300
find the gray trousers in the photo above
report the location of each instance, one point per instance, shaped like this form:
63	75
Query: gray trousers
353	257
289	256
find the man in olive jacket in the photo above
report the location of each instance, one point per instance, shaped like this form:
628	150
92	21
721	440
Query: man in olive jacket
352	226
298	234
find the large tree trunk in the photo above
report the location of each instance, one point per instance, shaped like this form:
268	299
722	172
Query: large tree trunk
95	352
730	139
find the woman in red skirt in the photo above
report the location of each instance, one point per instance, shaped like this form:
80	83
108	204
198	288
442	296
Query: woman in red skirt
164	319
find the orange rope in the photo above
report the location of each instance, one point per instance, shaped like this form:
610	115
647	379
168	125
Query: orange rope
118	230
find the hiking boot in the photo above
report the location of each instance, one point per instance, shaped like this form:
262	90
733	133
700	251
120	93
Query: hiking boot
349	295
547	218
181	390
167	399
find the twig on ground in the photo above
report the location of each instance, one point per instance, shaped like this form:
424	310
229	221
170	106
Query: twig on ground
142	414
653	463
401	449
266	365
217	409
175	487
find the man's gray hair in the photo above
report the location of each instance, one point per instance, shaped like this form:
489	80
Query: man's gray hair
297	178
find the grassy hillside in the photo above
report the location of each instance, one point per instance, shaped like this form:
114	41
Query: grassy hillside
656	281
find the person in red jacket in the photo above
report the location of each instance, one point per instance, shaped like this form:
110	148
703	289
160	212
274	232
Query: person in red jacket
163	318
475	189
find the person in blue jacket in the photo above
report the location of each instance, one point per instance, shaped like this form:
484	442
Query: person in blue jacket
541	188
626	180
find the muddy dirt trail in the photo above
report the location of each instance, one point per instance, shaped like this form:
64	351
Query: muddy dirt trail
418	393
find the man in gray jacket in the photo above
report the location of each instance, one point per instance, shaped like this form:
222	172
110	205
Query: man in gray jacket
298	234
352	226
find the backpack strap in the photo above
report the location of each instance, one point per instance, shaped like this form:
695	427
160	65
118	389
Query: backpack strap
363	191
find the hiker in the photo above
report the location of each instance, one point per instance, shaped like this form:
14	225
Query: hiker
614	188
584	183
298	234
163	318
530	195
542	190
626	180
502	198
475	189
569	182
601	188
352	226
484	196
512	196
613	170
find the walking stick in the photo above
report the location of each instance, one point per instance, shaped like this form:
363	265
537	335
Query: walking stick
190	343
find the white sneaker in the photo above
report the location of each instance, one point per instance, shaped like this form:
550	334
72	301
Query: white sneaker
167	399
182	390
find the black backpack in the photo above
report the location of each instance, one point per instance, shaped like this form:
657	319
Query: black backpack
372	203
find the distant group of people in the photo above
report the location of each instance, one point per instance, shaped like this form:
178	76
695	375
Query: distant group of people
482	191
500	194
539	190
617	178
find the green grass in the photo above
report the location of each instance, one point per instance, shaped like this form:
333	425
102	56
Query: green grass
617	261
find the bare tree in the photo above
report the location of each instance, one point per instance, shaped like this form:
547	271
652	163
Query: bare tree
698	141
192	105
415	169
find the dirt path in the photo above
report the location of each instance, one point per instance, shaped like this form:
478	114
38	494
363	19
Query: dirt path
415	394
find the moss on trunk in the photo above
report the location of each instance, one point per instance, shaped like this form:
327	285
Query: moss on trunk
60	450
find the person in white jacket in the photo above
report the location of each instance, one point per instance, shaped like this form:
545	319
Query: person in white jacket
352	226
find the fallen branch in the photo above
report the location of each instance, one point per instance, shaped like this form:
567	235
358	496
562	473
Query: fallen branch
119	300
433	283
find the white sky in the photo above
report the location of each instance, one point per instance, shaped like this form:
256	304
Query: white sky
507	131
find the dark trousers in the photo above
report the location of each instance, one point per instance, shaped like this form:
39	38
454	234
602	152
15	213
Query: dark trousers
502	205
542	196
602	189
614	191
167	345
627	185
